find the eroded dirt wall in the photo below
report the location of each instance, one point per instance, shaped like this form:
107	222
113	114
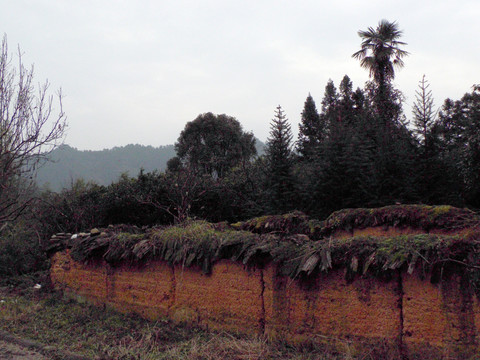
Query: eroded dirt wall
440	318
230	298
148	290
88	280
329	306
405	314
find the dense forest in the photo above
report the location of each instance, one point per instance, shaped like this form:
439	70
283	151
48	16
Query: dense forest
358	148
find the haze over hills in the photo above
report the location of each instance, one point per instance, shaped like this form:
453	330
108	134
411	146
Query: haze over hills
104	166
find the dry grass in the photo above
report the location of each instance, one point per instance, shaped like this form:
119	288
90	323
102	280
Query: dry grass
98	333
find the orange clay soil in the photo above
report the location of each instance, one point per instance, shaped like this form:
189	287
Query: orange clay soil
230	298
443	316
147	290
407	313
330	306
89	281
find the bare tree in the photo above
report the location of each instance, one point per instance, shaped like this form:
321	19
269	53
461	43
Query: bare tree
28	132
174	192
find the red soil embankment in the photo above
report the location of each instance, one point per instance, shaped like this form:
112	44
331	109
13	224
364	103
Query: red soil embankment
410	314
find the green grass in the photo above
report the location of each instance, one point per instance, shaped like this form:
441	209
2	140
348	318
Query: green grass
99	333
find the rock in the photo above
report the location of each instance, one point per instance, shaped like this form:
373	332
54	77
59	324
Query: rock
94	232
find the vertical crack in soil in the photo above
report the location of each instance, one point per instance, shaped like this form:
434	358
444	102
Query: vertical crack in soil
401	344
262	301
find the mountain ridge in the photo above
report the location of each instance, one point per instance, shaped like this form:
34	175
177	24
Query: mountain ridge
68	164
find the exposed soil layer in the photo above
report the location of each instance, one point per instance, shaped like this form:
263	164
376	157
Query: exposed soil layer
433	317
407	285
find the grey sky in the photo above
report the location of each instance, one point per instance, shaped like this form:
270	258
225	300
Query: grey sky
138	71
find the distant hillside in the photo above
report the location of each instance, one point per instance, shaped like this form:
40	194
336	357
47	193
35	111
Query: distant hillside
105	166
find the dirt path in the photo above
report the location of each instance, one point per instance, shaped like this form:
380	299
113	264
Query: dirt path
13	351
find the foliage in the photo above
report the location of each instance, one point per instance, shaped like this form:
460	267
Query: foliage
416	216
423	112
340	173
214	144
435	179
380	53
72	210
21	249
280	183
379	47
291	223
357	152
458	135
311	129
300	246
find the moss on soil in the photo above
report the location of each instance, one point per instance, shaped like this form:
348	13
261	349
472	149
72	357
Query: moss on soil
301	246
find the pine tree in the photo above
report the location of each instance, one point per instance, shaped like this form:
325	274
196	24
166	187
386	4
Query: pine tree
346	102
340	173
423	113
311	130
330	98
459	132
429	180
280	184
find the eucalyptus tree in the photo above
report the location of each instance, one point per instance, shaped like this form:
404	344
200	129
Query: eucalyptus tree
214	144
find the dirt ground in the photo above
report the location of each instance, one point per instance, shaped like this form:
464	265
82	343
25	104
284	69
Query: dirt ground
13	351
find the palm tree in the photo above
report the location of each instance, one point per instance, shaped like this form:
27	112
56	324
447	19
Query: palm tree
379	46
381	54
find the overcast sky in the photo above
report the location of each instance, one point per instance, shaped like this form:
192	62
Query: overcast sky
136	71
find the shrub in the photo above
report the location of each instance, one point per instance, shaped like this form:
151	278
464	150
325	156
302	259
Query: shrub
21	249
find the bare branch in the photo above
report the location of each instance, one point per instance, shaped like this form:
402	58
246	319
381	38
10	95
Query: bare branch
28	132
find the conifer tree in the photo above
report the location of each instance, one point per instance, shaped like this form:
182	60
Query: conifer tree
311	130
330	98
280	184
458	126
429	166
423	113
346	99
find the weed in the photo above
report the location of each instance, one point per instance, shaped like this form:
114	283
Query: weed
104	334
